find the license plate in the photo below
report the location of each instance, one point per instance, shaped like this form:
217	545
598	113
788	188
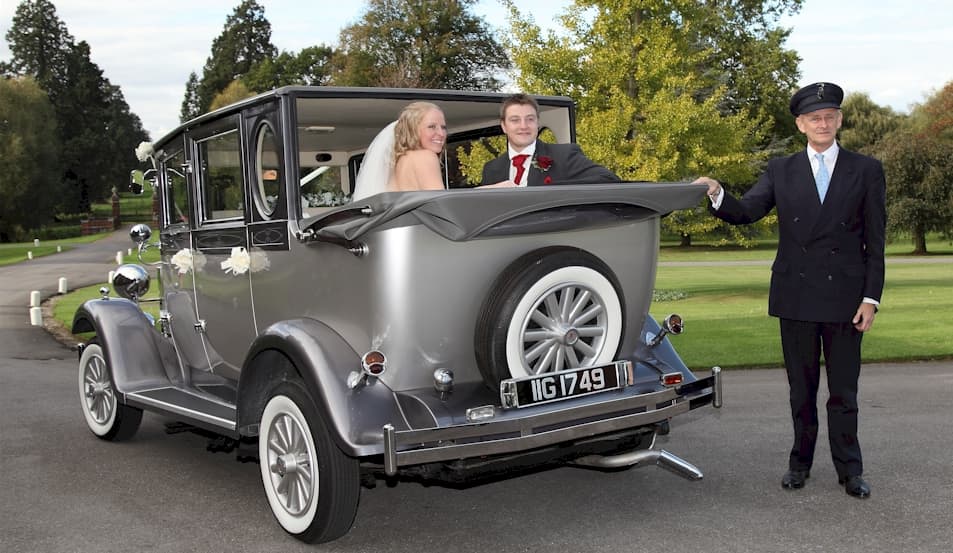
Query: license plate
557	386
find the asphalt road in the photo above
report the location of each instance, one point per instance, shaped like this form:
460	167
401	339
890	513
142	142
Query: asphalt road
62	489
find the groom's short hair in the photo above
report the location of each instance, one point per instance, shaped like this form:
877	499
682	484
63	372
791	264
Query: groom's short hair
519	99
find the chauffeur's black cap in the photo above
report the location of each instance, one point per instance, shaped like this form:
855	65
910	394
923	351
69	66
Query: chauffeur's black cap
816	96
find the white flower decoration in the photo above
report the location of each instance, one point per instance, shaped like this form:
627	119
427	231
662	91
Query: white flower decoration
237	263
186	260
259	261
144	151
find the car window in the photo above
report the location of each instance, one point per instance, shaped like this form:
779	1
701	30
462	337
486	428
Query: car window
221	176
177	193
268	169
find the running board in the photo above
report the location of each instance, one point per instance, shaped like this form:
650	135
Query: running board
187	406
643	457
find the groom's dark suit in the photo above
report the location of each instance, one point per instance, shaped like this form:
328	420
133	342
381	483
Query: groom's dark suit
569	165
830	256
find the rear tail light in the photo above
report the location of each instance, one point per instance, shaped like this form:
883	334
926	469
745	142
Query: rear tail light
374	363
672	379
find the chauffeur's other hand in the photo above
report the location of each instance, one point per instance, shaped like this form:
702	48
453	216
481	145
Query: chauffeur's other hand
864	318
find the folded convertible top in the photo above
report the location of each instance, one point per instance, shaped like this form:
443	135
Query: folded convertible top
463	214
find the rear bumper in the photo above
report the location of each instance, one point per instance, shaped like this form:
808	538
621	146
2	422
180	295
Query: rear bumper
513	435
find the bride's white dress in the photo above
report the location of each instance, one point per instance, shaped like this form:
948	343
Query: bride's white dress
377	165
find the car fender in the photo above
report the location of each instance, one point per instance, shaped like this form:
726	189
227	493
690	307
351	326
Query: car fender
322	359
138	355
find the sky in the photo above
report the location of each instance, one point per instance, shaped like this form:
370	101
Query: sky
896	51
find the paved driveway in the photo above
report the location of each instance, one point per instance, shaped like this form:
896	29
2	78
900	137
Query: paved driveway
62	489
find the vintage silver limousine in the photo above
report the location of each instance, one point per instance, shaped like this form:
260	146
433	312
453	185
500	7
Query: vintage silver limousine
445	335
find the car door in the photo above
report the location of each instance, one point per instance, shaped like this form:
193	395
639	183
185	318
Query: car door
225	318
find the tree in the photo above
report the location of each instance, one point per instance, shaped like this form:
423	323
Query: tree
190	104
918	163
29	157
39	44
663	86
310	66
420	43
865	122
919	172
235	91
935	116
96	132
244	42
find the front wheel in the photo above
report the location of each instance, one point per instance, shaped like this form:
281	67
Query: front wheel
312	487
106	417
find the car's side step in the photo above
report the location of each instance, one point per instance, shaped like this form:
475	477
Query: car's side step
185	404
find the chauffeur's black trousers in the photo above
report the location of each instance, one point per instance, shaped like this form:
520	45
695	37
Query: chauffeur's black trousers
802	343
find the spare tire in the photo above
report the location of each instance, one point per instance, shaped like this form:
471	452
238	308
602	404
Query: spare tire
552	309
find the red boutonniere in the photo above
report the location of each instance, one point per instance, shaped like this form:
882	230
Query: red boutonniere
543	163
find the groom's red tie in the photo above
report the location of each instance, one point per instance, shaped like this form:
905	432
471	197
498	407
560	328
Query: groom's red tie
518	163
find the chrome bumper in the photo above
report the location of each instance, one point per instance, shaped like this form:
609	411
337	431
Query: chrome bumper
513	435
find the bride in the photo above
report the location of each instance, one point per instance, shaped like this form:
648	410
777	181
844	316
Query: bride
406	154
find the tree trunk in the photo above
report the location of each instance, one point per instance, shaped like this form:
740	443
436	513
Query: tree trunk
686	241
919	242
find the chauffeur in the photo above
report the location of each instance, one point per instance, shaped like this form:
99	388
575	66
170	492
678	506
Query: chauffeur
827	276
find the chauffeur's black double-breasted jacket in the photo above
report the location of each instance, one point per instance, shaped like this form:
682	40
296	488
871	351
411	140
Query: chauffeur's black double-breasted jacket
831	255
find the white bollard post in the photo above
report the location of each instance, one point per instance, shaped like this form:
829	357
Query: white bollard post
63	288
29	255
119	257
109	277
59	249
129	251
35	298
36	316
36	242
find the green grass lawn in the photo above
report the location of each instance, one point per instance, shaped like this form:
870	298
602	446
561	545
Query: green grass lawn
17	252
727	323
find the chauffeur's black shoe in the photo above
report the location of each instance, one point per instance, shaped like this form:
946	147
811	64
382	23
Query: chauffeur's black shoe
855	486
794	479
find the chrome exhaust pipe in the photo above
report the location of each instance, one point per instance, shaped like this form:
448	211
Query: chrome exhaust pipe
644	457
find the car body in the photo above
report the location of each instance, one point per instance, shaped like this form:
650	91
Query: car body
443	334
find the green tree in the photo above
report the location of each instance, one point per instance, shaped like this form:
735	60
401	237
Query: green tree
664	87
244	42
310	66
39	44
190	104
96	132
29	157
420	43
865	122
919	171
918	162
235	91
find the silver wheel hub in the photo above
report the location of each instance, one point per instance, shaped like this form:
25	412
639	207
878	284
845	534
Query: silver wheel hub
100	399
566	329
290	464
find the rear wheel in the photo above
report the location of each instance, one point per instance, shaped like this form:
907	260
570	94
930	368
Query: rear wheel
312	487
550	310
106	417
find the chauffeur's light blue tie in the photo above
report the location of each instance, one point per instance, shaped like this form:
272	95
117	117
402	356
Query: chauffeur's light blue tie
822	178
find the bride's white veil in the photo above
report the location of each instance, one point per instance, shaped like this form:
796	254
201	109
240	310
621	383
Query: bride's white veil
376	167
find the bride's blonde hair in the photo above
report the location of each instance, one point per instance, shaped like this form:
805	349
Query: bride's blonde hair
405	132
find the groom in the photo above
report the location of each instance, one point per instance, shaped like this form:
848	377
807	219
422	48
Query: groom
530	162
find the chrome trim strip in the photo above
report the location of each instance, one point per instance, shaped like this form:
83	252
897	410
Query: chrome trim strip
179	410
